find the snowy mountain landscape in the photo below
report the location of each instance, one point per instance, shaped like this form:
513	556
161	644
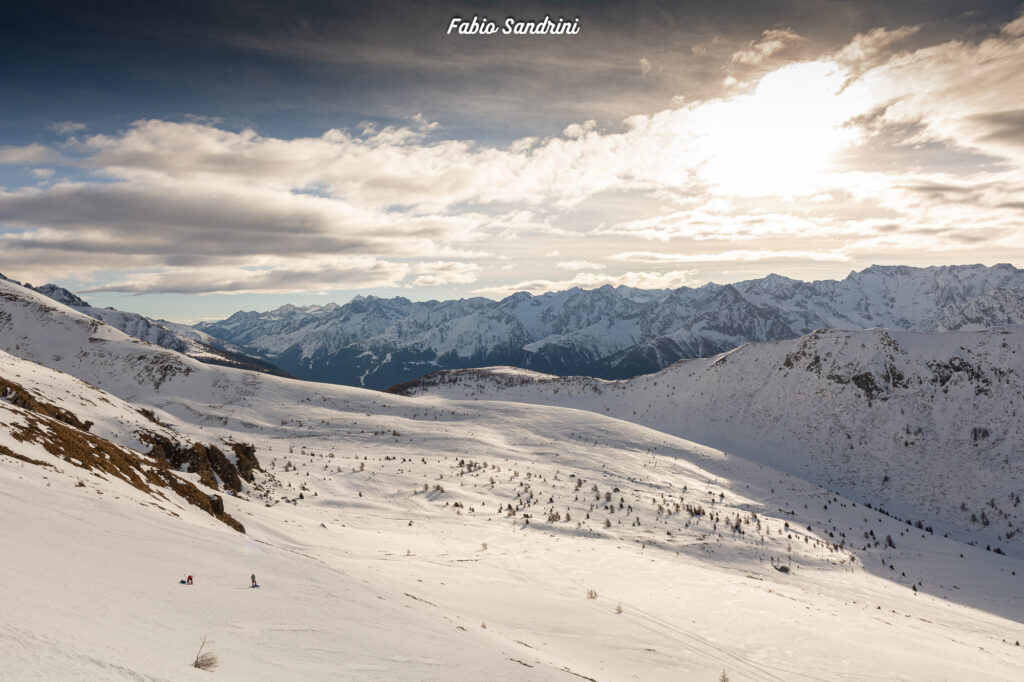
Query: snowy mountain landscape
449	341
421	538
611	332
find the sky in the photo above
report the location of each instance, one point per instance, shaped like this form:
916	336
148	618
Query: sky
187	160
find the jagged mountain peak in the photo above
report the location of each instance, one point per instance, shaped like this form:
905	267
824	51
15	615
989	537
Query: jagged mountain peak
62	295
613	331
52	291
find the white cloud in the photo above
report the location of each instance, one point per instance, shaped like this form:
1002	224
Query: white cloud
594	280
772	42
579	265
1015	28
576	130
191	220
726	256
960	94
439	273
282	277
866	47
67	127
28	155
717	222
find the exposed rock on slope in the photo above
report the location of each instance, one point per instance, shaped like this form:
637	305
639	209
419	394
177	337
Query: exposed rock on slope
207	460
31	421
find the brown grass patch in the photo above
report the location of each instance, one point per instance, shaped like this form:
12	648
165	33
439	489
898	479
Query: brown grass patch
96	454
14	455
16	395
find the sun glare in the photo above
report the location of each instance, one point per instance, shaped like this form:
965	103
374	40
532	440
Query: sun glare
780	139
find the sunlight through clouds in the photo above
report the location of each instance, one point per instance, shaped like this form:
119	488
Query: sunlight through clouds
811	160
780	139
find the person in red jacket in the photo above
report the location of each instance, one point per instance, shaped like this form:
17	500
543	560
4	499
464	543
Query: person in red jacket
188	580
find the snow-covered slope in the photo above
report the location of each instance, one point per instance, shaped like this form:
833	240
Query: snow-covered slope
422	538
177	337
926	425
612	332
40	424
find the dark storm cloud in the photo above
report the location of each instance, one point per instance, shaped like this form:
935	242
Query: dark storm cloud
192	225
302	67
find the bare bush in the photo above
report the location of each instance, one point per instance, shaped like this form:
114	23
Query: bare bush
205	660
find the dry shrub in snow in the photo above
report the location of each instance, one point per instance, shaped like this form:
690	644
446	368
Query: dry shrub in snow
205	660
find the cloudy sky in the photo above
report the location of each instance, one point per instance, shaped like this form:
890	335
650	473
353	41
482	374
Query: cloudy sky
187	160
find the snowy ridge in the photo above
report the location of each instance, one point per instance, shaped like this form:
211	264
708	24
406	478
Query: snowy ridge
41	425
612	332
927	426
176	337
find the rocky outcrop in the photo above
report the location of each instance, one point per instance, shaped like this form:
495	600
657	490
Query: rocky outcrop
245	460
62	435
208	461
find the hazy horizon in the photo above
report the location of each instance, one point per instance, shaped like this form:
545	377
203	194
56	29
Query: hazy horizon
325	298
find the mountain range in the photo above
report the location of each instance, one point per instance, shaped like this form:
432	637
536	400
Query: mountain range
611	332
